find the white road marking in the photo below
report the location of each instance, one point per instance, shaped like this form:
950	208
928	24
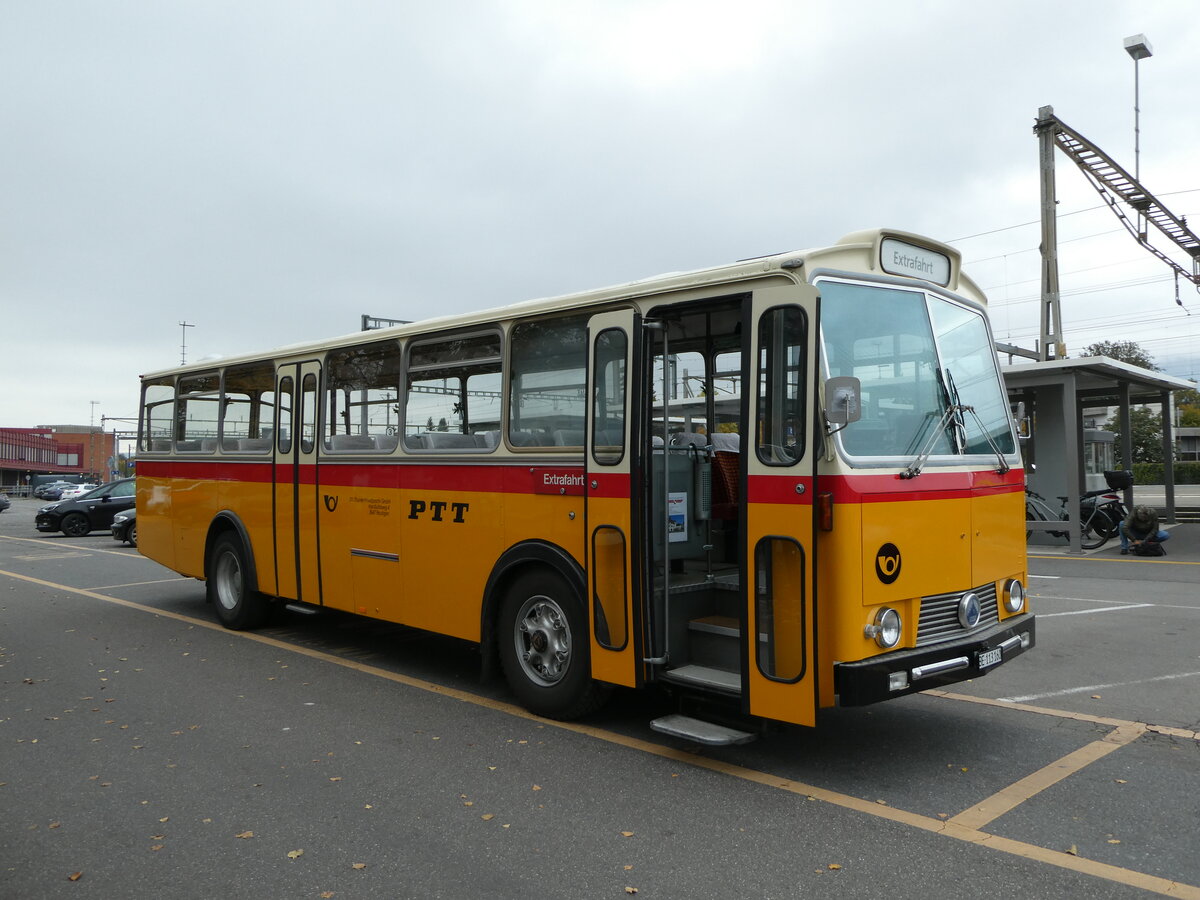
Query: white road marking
1086	612
1096	687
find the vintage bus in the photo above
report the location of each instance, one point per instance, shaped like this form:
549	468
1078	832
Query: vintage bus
769	487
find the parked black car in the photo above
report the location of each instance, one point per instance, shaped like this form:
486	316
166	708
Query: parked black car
5	503
124	527
95	509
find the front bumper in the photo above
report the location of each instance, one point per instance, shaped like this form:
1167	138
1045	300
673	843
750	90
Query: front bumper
47	523
909	671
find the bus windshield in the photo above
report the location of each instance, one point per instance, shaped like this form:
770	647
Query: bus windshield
913	353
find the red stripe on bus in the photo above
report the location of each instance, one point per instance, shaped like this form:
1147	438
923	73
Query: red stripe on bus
522	478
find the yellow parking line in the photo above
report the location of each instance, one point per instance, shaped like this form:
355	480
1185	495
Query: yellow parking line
958	828
1017	793
1140	559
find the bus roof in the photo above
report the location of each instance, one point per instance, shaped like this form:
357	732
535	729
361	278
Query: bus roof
858	252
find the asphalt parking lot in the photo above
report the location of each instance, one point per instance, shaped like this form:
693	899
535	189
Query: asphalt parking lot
147	752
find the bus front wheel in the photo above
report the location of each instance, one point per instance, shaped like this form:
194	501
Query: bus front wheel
544	648
237	603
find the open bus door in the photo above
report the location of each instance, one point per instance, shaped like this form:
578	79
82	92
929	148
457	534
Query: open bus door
297	570
780	449
613	542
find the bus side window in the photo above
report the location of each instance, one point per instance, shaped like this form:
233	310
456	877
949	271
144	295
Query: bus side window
452	397
287	389
197	413
247	408
547	400
361	409
782	347
158	412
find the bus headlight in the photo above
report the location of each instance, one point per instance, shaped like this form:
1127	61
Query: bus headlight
1014	596
886	629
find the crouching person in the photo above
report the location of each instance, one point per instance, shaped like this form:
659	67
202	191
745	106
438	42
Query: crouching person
1140	532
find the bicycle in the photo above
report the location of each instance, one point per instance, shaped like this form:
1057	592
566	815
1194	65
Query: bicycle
1096	526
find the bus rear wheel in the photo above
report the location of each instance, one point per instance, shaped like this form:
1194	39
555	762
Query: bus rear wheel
238	604
544	648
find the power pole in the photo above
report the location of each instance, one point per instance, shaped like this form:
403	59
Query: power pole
1052	336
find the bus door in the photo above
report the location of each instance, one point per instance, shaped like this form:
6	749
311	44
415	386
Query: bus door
613	568
297	571
780	450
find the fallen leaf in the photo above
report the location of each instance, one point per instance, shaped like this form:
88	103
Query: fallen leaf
629	868
245	834
74	876
336	778
359	866
295	854
630	890
487	817
468	803
157	847
326	895
1095	696
1122	781
1074	851
835	866
626	834
537	787
1114	841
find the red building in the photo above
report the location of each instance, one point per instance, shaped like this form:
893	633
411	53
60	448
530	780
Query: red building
54	450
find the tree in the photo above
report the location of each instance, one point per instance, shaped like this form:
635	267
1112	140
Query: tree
1146	437
1188	403
1123	351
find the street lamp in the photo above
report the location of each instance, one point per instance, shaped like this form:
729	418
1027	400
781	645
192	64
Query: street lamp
1138	48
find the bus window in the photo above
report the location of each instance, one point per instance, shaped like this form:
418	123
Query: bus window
453	394
882	337
608	441
362	385
198	413
782	333
248	408
308	414
158	413
287	389
547	399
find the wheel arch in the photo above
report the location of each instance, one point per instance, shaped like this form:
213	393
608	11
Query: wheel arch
226	522
515	560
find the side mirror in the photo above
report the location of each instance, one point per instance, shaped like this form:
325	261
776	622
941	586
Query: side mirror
843	400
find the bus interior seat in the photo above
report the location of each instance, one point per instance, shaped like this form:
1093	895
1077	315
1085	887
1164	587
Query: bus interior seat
352	442
257	445
487	440
568	437
523	439
689	439
386	442
447	440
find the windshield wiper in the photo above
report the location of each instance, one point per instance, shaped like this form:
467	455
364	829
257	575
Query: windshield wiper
953	414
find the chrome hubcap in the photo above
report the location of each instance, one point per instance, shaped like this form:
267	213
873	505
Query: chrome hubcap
543	640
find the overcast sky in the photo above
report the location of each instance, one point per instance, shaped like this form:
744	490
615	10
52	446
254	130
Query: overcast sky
270	171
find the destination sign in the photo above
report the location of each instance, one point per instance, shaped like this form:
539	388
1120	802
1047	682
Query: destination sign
900	258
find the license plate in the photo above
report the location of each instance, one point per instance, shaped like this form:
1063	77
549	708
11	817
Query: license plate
990	658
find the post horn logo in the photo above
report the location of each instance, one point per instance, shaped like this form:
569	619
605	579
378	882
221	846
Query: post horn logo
331	502
887	563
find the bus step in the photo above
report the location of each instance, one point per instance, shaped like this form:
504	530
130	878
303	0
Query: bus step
707	677
700	732
716	641
304	609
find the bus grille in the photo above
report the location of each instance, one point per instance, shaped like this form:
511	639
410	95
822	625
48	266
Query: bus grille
939	615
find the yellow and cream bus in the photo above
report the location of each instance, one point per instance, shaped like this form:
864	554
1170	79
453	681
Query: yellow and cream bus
769	487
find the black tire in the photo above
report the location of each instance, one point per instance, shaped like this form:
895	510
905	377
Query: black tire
545	648
75	524
238	605
1094	529
131	535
